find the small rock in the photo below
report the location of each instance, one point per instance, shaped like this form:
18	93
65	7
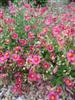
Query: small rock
21	98
13	98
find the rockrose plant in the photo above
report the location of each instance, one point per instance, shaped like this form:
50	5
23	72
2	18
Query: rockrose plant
38	44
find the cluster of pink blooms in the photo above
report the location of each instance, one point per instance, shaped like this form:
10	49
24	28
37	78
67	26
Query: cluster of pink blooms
54	94
17	89
33	39
69	82
71	56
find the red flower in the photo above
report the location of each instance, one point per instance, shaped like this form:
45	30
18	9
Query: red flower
32	48
1	68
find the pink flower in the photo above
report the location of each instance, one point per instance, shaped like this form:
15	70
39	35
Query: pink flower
70	55
38	77
23	42
12	8
55	69
1	30
29	59
53	96
3	75
55	30
59	90
44	32
2	60
9	21
68	82
18	74
52	56
55	19
15	57
46	65
7	54
27	18
1	68
10	29
30	35
1	14
14	89
43	42
48	21
1	54
27	5
32	76
36	59
49	1
17	89
43	10
62	26
50	48
19	81
38	46
32	47
17	49
27	28
14	35
20	62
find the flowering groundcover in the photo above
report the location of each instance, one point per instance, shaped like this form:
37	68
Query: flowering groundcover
38	44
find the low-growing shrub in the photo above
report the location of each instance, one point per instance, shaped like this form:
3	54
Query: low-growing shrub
37	44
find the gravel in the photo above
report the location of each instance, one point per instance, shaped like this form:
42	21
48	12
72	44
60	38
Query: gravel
34	94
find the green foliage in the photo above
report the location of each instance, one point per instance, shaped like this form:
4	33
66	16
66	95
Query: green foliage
5	2
39	2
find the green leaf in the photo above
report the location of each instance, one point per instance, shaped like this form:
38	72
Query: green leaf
1	82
